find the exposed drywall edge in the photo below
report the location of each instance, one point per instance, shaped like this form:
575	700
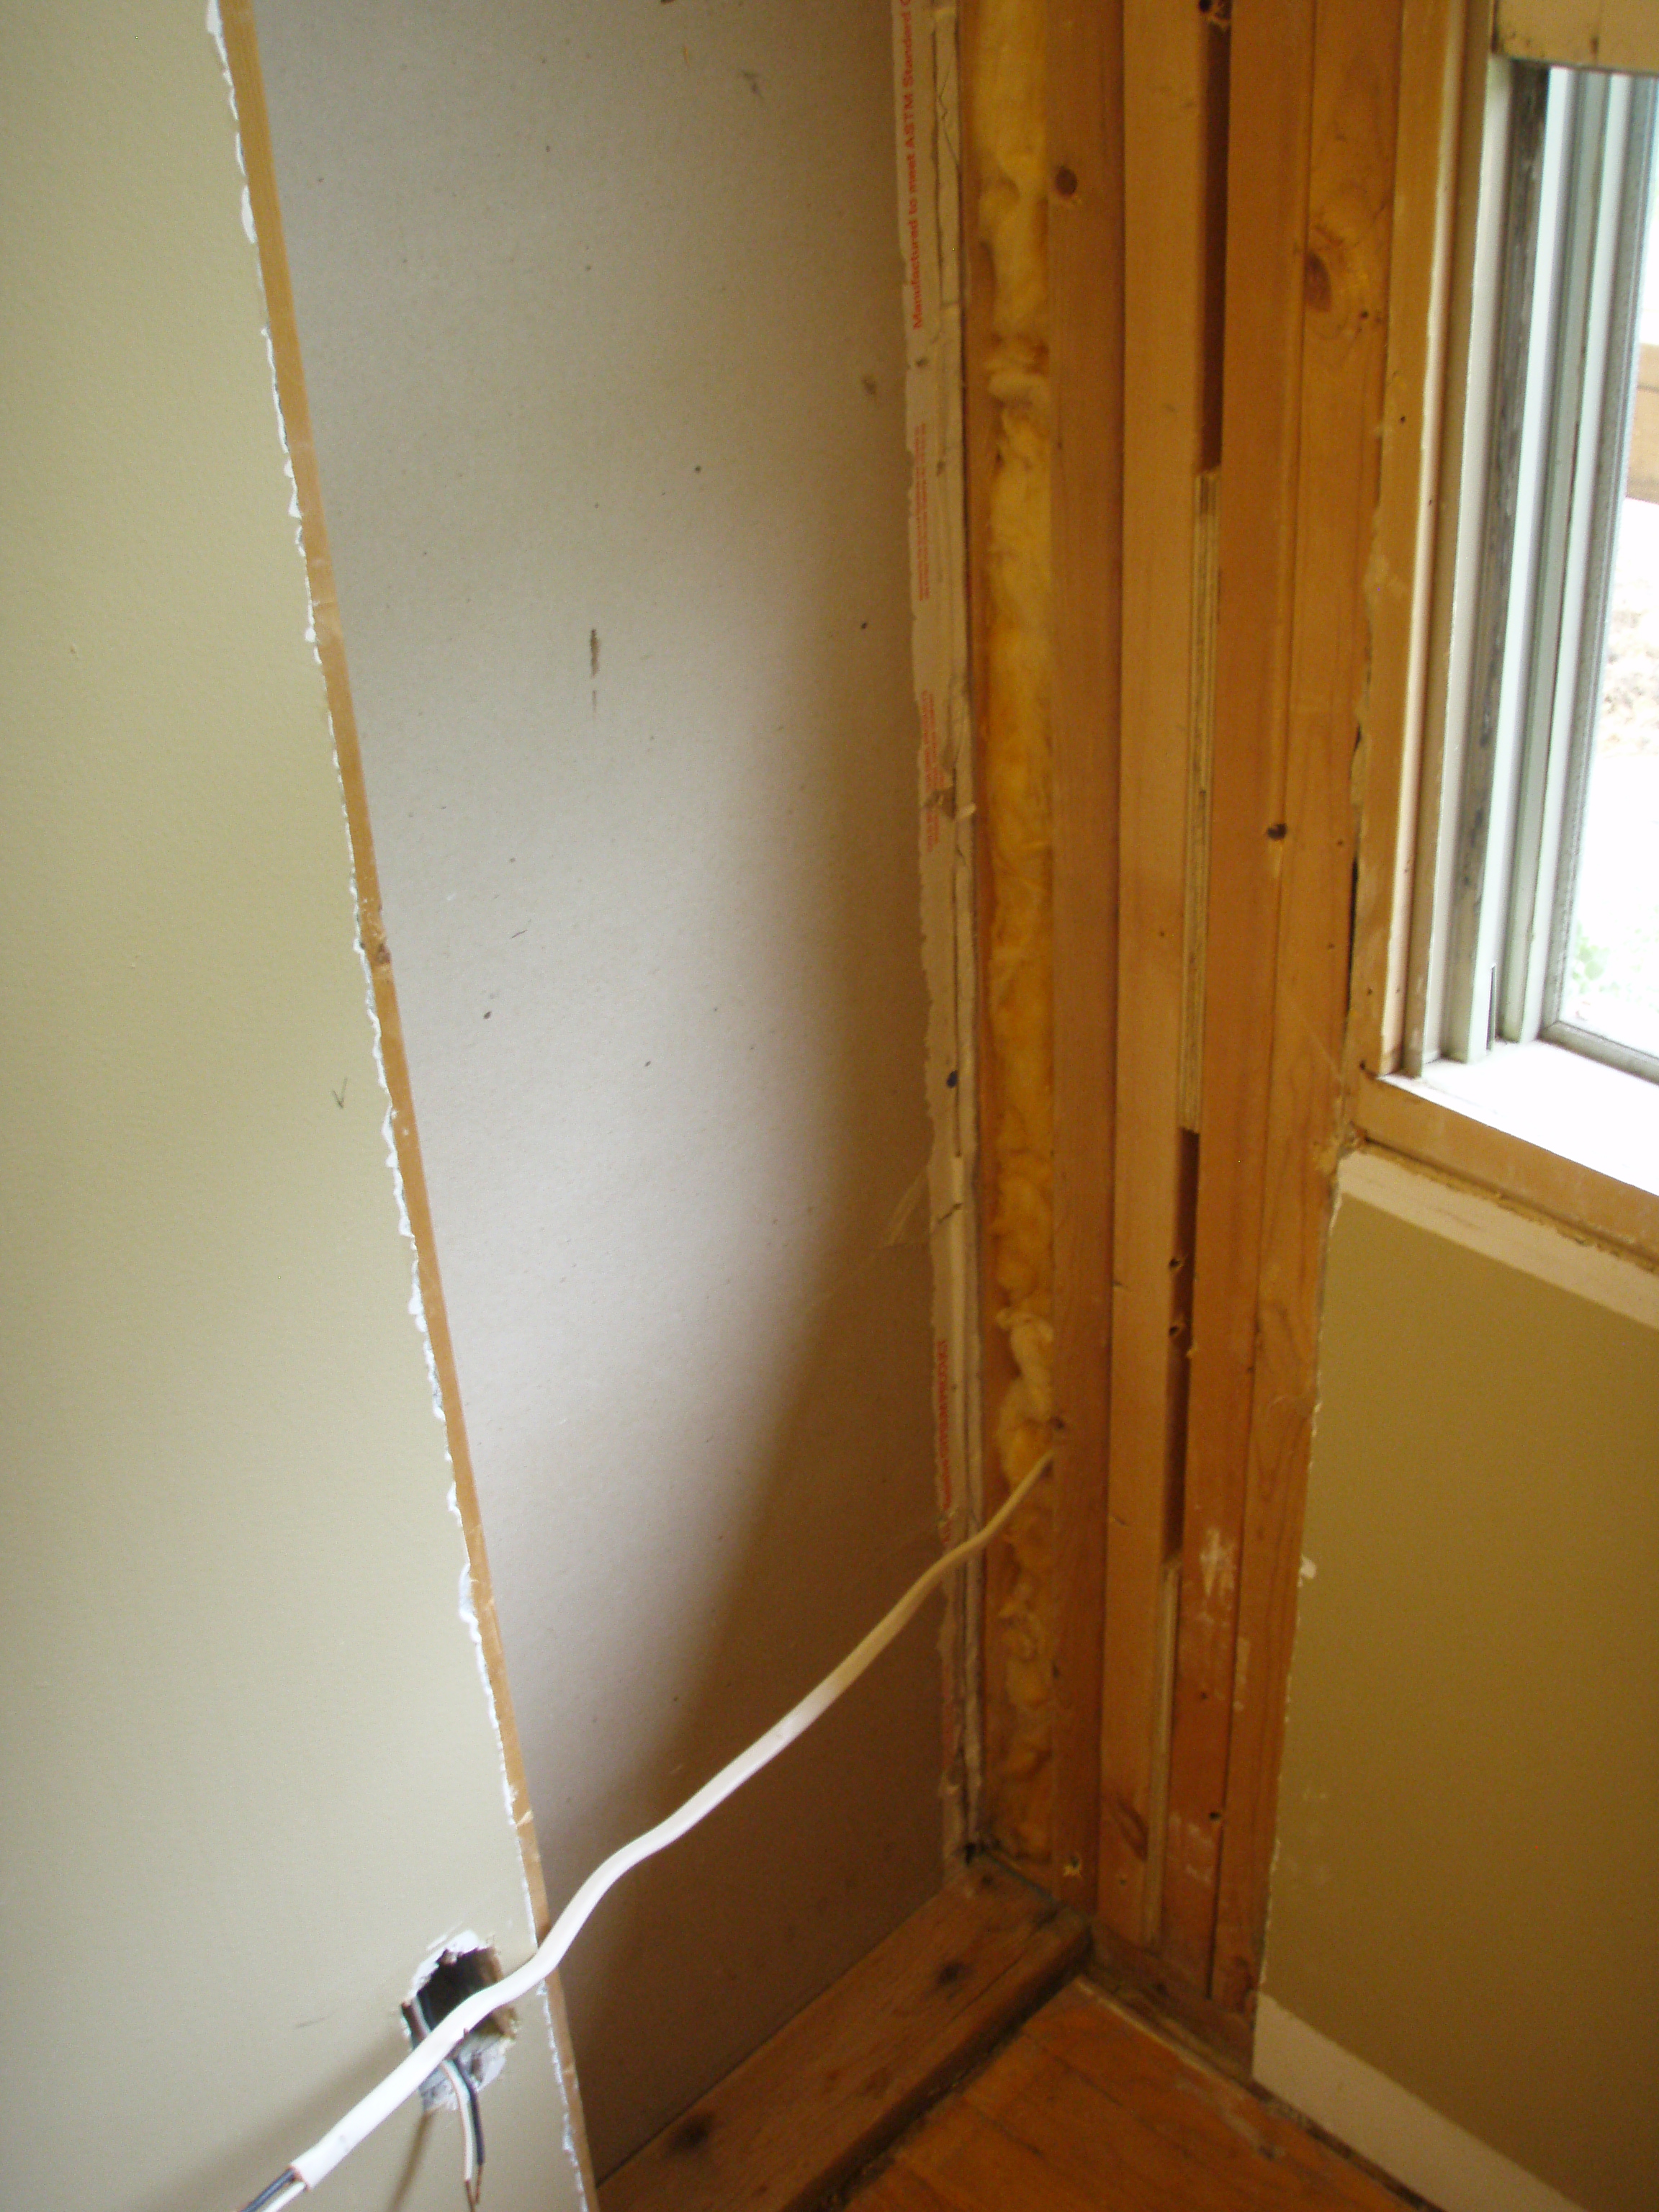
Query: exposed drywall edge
230	24
233	32
1388	2124
1496	1232
926	113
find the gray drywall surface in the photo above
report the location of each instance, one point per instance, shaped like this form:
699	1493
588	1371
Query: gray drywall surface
251	1776
1469	1812
600	311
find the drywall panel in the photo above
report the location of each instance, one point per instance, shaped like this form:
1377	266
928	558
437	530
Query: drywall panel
251	1772
600	311
1469	1814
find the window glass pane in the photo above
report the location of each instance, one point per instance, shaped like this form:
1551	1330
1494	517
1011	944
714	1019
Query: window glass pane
1612	984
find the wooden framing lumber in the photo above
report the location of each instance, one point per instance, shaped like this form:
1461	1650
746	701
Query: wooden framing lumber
1354	121
1044	209
1135	1978
1339	215
1271	105
1344	234
1168	73
996	1363
1311	192
1085	254
1009	418
847	2075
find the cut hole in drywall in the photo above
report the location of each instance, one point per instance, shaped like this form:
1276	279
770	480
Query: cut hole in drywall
443	1984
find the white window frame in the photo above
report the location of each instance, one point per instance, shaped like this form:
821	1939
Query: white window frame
1562	190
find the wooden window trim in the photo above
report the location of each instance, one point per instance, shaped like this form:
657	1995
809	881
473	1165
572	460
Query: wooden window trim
1442	111
1610	34
1420	1124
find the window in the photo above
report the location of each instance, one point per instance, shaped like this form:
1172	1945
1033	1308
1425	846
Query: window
1607	994
1544	909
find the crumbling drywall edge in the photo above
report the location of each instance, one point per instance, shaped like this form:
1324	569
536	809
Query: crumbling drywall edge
369	939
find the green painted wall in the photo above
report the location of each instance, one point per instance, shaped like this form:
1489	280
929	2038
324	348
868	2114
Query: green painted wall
1468	1860
250	1772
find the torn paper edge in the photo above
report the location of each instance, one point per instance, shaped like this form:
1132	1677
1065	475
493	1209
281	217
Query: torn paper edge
547	2000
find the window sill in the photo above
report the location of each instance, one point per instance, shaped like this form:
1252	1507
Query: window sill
1547	1129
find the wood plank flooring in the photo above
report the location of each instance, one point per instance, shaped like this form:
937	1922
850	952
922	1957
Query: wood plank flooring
816	2104
1085	2111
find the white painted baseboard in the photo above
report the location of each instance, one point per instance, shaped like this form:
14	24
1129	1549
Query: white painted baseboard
1387	2124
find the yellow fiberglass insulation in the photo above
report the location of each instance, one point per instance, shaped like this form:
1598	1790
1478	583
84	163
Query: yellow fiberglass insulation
1009	141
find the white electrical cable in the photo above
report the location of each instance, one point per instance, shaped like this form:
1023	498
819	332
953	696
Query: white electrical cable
464	2112
295	2189
426	2058
452	2074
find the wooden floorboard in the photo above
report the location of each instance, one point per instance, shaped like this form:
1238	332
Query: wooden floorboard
974	2165
899	2189
850	2072
1086	2107
1078	2129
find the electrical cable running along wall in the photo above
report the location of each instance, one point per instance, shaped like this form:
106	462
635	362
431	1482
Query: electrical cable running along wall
431	2052
1008	138
601	325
